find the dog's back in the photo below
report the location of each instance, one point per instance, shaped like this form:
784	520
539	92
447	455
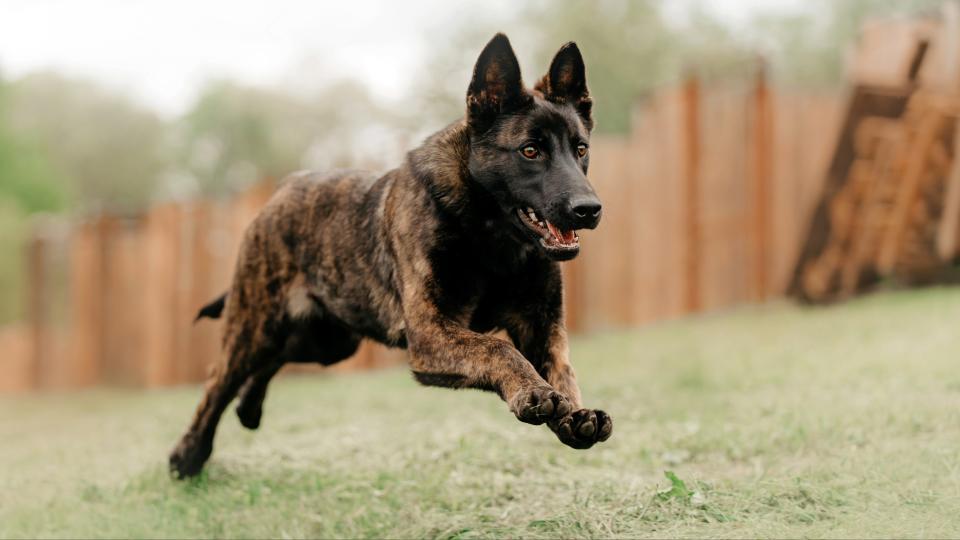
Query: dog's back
317	251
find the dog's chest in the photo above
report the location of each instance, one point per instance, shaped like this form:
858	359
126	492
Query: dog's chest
481	292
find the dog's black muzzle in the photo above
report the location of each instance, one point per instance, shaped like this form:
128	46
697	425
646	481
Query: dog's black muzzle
583	212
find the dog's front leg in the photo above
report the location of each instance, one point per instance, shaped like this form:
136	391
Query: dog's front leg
582	428
538	331
443	352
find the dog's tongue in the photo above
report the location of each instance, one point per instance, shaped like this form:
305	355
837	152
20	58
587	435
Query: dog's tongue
564	237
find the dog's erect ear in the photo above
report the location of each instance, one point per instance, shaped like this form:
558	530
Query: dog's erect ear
566	82
496	86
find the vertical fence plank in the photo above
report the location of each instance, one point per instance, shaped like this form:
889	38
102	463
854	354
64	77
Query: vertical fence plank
762	135
691	184
161	242
210	245
38	316
724	203
82	364
123	301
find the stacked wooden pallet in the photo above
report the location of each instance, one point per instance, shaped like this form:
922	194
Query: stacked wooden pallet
891	205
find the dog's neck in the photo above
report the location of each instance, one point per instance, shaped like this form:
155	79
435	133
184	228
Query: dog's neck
440	164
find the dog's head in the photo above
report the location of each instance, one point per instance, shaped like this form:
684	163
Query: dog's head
531	149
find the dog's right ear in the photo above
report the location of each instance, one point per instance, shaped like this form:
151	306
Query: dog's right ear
496	86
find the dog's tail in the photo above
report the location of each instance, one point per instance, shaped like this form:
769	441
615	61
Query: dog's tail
214	309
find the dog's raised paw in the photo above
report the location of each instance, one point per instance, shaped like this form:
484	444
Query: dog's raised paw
584	428
539	405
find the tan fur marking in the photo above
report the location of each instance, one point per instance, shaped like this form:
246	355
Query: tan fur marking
299	303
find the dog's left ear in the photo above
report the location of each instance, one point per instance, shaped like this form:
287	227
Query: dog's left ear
566	82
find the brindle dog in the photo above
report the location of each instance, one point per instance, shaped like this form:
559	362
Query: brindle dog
462	239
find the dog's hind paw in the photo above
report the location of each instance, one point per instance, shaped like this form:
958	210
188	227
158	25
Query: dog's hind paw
187	459
539	405
249	414
584	428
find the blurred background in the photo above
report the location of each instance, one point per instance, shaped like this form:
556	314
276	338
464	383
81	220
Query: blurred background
745	150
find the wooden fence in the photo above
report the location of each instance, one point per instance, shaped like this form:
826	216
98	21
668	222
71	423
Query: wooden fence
705	206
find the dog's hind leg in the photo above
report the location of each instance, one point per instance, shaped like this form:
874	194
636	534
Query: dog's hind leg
254	390
312	340
195	446
248	350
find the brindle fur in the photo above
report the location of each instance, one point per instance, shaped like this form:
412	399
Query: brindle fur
426	257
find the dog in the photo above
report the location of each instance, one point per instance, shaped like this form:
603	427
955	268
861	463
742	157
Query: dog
463	239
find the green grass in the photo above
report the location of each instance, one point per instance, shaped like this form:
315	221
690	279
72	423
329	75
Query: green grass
771	421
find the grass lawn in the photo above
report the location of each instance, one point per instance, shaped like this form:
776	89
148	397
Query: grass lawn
775	421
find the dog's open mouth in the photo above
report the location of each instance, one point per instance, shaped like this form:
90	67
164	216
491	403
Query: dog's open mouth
551	237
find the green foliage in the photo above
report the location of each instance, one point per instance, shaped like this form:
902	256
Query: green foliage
627	46
29	183
808	48
235	135
27	178
13	231
631	48
677	489
108	152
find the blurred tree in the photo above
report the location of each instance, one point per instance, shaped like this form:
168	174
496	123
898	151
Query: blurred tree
710	48
13	232
27	178
631	47
28	183
108	151
235	134
628	45
808	47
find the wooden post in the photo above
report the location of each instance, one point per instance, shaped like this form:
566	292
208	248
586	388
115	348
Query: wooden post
948	231
161	238
762	171
691	182
927	131
38	317
87	327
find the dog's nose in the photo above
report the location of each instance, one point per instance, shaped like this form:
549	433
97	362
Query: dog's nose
586	211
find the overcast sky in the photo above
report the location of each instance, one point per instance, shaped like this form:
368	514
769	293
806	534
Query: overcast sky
162	51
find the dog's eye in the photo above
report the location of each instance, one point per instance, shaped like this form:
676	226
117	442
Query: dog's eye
581	149
530	151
